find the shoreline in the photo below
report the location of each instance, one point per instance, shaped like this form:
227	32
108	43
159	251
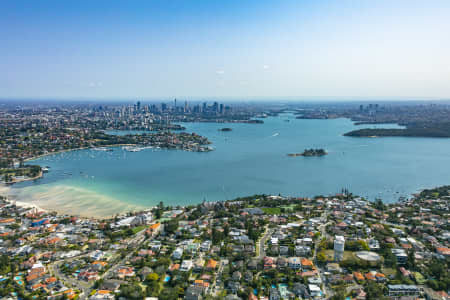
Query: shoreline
64	201
65	208
4	189
75	149
40	175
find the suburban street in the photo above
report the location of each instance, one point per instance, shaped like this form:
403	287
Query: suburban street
86	287
262	242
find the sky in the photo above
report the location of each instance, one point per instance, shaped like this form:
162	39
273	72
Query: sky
225	49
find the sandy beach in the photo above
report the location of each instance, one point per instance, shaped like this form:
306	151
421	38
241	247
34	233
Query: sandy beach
7	191
68	200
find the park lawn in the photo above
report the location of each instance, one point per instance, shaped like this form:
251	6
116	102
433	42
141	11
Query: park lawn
348	255
289	207
138	228
330	255
271	210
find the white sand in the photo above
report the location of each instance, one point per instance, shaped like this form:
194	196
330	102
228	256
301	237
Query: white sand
7	191
71	200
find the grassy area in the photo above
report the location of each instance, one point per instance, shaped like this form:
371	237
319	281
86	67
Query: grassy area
29	171
330	255
419	278
138	228
289	207
388	271
271	210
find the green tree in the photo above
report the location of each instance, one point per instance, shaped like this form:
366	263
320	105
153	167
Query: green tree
168	294
132	291
339	295
374	291
378	204
152	277
321	257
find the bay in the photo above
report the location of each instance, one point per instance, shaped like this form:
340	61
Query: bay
250	159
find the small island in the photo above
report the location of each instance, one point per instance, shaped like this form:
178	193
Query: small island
310	152
225	129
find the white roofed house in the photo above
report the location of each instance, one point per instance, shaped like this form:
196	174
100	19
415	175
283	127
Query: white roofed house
126	222
177	253
314	290
186	265
205	246
302	250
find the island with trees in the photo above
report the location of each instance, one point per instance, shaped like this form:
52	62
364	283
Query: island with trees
310	152
226	129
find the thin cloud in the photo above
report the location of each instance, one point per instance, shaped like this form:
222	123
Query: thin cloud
95	84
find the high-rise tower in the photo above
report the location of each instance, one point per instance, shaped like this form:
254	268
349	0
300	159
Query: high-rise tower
339	243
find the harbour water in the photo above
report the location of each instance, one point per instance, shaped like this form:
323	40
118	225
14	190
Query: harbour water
252	158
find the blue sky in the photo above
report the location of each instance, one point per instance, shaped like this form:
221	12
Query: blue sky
225	49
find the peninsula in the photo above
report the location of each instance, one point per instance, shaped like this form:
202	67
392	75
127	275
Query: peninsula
29	133
441	130
417	119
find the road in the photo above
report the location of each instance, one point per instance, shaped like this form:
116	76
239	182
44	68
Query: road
139	238
54	269
86	287
262	251
323	233
215	288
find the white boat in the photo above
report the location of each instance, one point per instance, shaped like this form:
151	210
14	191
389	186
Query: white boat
132	149
101	149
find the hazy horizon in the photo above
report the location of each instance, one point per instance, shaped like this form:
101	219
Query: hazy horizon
225	50
230	101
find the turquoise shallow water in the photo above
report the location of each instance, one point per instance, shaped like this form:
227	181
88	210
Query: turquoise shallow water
250	159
